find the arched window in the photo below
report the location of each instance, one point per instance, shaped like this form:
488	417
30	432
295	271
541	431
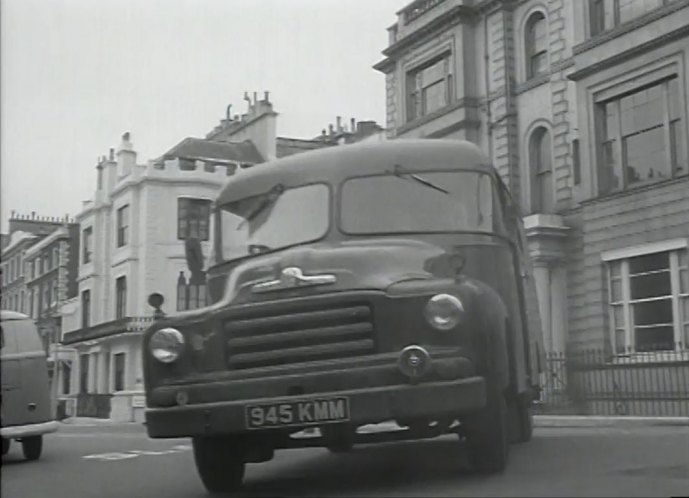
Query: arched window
540	155
536	45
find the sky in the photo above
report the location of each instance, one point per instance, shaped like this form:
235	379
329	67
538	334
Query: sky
77	74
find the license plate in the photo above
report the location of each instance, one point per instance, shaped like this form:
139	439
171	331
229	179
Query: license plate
297	413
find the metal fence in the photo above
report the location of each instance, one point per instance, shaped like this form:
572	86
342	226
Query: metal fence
595	382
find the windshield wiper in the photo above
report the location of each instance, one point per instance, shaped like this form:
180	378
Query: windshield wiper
270	198
400	172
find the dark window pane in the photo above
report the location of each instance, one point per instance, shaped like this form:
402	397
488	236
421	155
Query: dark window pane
650	285
649	262
644	156
654	338
653	312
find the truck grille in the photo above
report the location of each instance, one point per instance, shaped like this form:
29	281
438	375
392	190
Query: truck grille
300	335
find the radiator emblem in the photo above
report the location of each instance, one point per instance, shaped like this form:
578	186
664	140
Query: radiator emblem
293	277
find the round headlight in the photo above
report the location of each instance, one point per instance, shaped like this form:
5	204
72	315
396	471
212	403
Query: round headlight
166	344
443	311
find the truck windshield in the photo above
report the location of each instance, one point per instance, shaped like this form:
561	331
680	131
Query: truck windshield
274	220
407	201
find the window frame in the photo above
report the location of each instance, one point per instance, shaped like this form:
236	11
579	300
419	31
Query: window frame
678	294
120	297
86	242
530	51
416	106
539	176
184	225
614	146
122	222
614	20
85	308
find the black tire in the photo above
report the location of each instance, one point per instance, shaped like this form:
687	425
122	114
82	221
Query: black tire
32	447
487	435
219	462
5	445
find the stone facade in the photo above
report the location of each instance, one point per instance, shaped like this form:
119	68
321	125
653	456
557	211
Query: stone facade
523	70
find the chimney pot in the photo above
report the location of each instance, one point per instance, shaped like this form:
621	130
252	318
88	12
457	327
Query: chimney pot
339	124
112	153
330	129
126	136
255	97
352	125
33	215
265	96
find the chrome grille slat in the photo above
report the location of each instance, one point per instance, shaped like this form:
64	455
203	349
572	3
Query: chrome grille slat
300	354
326	333
305	332
301	319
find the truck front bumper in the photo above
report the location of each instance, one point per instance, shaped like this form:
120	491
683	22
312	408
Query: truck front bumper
366	406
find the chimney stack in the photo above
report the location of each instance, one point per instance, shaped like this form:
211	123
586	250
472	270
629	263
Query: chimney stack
352	125
330	130
339	124
266	94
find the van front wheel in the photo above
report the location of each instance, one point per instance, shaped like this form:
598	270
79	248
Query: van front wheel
487	435
220	463
32	447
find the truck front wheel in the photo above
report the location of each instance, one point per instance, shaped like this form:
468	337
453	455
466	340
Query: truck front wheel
219	462
487	435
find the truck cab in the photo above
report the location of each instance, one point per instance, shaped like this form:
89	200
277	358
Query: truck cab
350	286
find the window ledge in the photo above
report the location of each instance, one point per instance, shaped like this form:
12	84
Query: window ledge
427	118
532	82
635	190
651	358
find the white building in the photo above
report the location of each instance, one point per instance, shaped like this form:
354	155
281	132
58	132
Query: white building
132	244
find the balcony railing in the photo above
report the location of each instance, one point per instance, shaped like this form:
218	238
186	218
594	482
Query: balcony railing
124	325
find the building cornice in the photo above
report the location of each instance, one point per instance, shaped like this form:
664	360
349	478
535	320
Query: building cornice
453	16
627	54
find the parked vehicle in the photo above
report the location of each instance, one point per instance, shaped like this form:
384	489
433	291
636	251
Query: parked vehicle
26	411
351	286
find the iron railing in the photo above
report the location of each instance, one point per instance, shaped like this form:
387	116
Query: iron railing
596	382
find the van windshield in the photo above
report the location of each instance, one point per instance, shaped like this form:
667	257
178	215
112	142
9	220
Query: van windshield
411	202
273	220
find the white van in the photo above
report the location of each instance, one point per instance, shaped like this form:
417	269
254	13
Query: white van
25	404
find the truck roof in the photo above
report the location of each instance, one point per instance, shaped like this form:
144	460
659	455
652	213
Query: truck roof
335	164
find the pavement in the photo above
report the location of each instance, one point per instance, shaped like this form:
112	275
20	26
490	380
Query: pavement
539	421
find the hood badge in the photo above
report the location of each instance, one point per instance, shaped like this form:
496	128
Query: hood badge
291	278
